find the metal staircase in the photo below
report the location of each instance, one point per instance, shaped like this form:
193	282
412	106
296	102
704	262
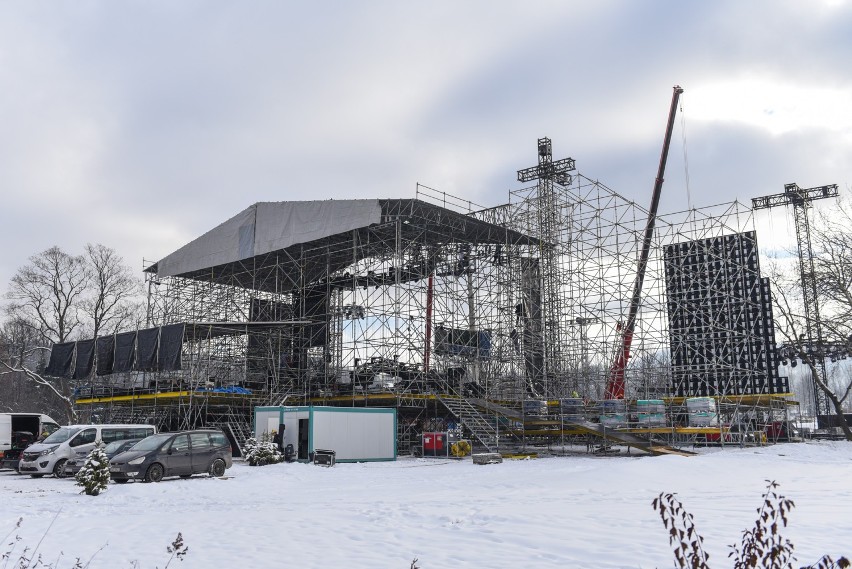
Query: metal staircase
241	432
481	429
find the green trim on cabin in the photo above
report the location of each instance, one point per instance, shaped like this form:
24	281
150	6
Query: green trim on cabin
354	410
291	409
310	430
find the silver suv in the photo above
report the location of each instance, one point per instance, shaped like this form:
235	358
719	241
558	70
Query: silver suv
173	454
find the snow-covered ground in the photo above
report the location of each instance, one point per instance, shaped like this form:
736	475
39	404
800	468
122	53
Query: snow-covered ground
577	511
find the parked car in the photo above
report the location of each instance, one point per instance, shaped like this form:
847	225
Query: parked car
173	454
51	454
114	448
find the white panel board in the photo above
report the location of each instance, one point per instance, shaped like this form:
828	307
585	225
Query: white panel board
262	420
355	435
271	425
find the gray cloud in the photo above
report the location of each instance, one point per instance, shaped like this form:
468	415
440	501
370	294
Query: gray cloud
141	126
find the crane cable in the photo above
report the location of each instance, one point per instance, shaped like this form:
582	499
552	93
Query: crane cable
685	156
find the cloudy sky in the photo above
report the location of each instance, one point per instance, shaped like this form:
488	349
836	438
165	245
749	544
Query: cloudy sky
140	125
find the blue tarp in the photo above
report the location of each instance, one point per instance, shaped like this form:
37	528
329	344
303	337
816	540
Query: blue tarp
232	389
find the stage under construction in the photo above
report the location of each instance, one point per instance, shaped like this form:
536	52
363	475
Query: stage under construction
497	322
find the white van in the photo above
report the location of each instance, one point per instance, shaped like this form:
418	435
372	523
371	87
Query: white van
20	430
49	456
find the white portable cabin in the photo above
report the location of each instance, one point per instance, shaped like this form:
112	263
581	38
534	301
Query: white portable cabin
354	434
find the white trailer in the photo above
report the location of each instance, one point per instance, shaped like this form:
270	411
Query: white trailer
18	431
354	434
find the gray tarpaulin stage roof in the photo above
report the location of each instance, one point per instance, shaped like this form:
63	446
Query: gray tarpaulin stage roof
317	237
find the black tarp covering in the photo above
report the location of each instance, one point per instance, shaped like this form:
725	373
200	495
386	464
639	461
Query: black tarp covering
105	348
171	342
146	349
61	356
125	352
269	311
268	354
85	359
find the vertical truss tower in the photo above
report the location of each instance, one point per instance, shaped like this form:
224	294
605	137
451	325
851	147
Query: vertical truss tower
542	304
801	199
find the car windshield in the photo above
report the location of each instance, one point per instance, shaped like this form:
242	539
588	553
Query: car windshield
61	435
152	442
115	445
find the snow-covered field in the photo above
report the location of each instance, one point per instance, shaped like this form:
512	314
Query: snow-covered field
578	511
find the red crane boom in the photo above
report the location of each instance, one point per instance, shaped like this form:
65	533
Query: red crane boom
615	382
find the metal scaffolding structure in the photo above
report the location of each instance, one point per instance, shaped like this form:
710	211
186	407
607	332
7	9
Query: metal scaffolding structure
438	306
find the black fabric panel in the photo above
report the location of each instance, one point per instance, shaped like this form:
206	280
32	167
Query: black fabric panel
85	359
267	352
146	349
105	348
270	311
125	352
171	343
316	308
61	356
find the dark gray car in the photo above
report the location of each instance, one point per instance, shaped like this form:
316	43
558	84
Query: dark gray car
114	448
173	454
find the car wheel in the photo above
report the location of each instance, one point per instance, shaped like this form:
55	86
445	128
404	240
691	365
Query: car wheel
217	469
155	473
59	468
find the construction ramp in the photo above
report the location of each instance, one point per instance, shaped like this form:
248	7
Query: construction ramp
645	444
620	437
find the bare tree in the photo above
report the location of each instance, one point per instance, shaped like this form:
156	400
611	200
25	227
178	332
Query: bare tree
655	373
47	293
59	297
833	267
832	242
22	350
109	303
